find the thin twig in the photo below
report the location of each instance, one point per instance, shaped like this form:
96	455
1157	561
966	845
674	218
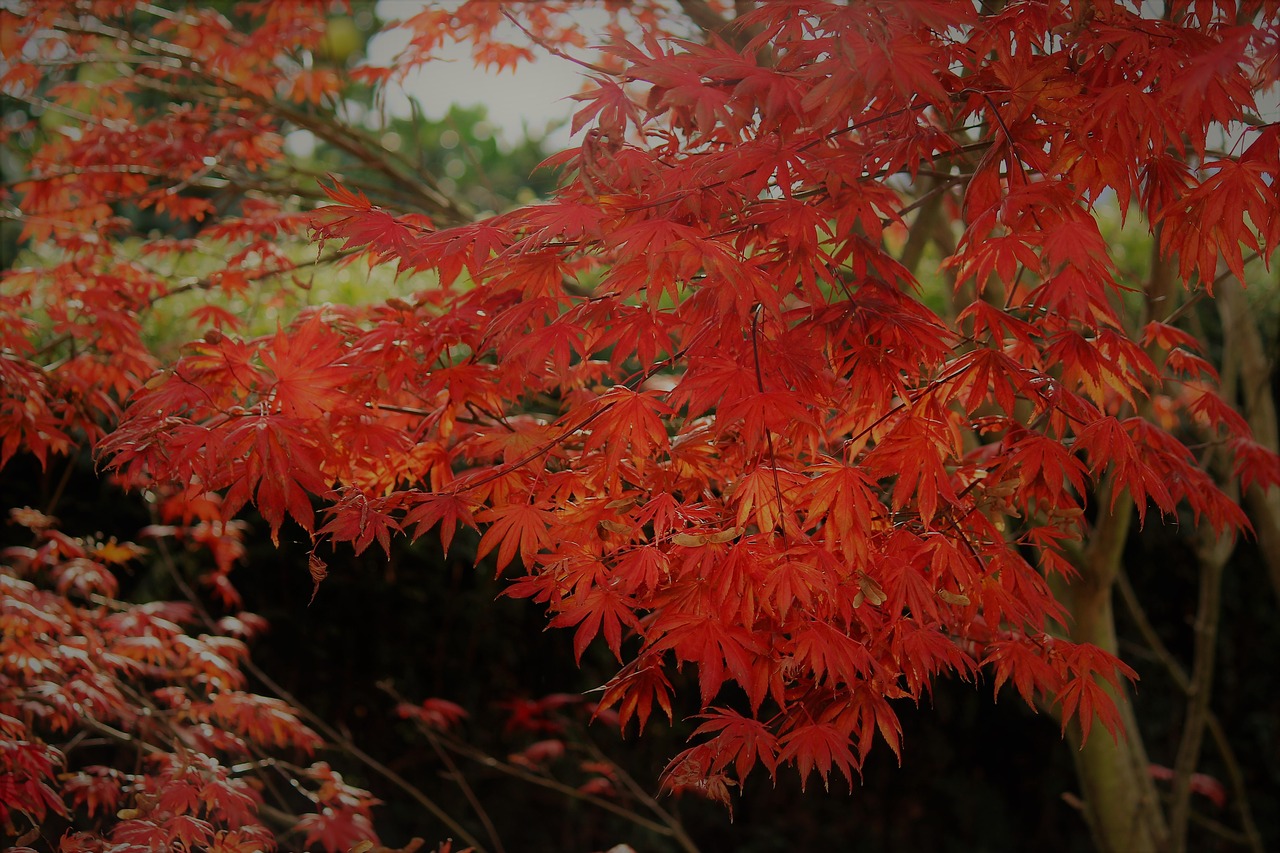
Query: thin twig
553	50
332	734
483	758
768	433
1157	647
52	505
461	780
1208	615
583	423
628	782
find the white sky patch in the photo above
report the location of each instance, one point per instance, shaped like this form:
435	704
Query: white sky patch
533	100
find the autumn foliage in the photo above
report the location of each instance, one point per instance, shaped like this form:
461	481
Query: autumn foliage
698	404
79	660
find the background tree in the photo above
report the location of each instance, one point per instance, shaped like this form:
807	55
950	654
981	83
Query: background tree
816	372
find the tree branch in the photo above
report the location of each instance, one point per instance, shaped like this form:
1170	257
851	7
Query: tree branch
332	734
1213	558
1179	676
483	758
711	22
1259	409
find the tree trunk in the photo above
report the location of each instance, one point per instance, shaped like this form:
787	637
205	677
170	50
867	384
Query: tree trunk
1259	409
1120	799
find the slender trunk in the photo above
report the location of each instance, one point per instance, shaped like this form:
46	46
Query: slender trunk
1214	552
1120	799
1259	409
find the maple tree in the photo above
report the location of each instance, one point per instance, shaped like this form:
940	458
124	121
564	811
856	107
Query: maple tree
712	402
77	659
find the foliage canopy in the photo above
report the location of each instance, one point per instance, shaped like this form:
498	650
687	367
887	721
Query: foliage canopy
694	401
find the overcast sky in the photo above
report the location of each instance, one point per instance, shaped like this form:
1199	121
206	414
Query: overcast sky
533	97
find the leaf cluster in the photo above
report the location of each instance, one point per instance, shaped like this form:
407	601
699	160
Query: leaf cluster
695	402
